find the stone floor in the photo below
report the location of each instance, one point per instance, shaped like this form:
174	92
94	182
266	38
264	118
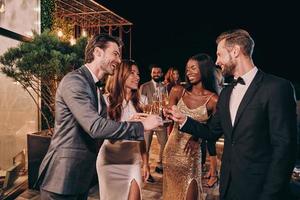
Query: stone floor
154	191
149	191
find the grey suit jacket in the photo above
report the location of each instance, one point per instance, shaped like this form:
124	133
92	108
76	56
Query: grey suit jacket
69	165
148	90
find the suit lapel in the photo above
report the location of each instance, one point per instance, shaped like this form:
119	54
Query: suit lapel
248	95
227	117
152	88
103	111
150	91
87	74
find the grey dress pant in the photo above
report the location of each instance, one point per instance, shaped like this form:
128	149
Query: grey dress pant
162	138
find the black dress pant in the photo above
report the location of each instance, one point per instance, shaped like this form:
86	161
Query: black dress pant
230	193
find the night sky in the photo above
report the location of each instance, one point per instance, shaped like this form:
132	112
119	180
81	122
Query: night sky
169	32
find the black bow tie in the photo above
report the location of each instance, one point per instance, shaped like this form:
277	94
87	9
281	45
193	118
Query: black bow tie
239	80
99	84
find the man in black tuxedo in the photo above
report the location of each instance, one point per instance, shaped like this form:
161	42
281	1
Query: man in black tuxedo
257	115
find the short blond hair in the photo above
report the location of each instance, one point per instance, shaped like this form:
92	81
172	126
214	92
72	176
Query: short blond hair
238	37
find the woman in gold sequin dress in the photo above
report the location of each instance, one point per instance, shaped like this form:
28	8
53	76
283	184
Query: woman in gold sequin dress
182	154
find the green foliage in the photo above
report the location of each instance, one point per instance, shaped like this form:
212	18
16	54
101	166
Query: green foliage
66	27
78	49
47	10
44	60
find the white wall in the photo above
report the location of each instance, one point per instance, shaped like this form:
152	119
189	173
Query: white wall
18	113
21	16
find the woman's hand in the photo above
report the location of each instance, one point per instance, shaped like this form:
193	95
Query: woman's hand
192	146
146	172
175	114
138	117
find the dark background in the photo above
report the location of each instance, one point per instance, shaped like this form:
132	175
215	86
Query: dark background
169	32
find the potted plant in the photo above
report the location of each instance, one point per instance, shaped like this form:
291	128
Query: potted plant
38	66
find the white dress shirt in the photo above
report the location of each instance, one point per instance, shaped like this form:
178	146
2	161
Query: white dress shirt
238	93
155	84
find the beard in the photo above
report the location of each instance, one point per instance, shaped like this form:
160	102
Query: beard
107	68
157	79
228	69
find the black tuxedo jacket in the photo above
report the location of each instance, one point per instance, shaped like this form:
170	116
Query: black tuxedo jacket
259	149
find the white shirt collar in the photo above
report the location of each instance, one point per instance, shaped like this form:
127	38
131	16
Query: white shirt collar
249	76
154	83
93	75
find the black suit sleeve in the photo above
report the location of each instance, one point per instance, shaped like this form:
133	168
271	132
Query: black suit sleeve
210	131
282	129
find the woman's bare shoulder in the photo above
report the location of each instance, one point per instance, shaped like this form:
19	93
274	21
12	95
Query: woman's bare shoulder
213	98
177	89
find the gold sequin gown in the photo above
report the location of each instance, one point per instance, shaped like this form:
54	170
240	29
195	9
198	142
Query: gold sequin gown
181	169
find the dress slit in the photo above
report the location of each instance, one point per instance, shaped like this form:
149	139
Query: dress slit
130	185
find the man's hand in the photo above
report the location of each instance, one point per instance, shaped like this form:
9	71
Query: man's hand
149	121
174	114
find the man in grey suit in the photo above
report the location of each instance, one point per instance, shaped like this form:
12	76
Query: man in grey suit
69	165
148	89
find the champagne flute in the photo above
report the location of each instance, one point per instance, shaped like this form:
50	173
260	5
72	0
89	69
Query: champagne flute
164	102
156	104
155	107
147	108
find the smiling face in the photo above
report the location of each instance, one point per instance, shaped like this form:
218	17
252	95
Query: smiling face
225	59
175	75
110	58
132	82
156	74
193	71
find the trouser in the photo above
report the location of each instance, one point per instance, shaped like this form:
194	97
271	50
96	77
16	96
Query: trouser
230	193
211	147
162	138
46	195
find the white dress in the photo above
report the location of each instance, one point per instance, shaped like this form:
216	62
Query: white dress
119	163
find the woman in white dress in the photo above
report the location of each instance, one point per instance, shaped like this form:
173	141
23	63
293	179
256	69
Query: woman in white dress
119	161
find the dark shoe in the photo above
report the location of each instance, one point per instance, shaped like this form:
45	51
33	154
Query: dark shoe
159	170
150	179
212	184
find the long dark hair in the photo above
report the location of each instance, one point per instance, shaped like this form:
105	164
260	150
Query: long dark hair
169	76
115	87
206	67
169	80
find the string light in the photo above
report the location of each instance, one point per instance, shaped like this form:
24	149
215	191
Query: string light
83	33
72	41
60	33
